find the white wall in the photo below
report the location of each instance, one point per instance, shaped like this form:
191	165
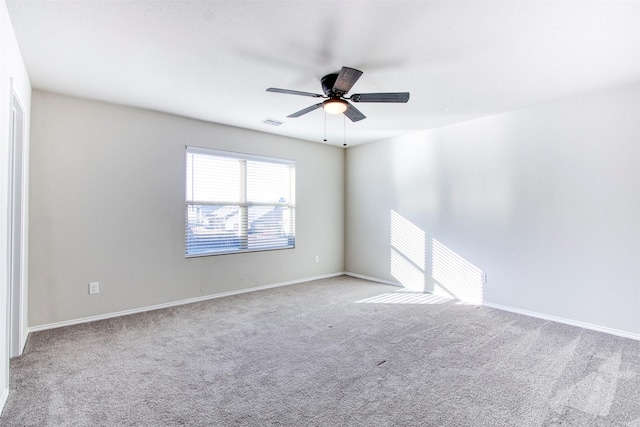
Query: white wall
12	69
107	205
544	200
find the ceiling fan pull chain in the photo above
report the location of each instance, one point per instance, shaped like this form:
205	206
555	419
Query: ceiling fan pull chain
325	126
344	131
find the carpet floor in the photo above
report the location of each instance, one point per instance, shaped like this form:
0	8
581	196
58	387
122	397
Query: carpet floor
332	352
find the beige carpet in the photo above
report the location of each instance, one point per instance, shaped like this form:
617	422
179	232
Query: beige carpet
335	352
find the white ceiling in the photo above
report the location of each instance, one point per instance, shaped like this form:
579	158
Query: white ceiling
213	60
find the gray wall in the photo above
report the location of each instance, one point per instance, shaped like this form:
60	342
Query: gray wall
544	200
107	205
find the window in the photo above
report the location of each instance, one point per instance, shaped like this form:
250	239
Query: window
238	203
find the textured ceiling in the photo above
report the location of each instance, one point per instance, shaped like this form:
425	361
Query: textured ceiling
213	60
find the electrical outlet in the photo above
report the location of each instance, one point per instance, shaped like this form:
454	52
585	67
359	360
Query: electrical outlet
317	259
94	288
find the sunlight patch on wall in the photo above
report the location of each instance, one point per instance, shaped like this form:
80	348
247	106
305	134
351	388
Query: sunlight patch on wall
409	276
455	276
407	253
408	239
405	297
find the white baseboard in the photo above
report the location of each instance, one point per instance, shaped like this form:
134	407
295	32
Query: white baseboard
23	340
174	303
372	279
584	325
570	322
3	398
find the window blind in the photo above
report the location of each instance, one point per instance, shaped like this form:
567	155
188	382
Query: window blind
237	202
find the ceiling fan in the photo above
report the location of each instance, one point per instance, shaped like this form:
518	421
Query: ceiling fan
335	86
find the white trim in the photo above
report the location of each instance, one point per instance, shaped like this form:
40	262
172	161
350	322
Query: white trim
3	398
174	303
24	337
576	323
570	322
372	279
235	155
18	328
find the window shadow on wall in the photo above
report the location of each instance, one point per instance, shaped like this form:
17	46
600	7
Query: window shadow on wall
454	276
407	253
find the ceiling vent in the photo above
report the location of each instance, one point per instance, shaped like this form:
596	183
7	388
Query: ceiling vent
271	122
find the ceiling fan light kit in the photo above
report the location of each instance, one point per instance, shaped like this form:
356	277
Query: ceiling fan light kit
335	86
335	106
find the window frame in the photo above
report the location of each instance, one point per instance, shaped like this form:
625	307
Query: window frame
243	204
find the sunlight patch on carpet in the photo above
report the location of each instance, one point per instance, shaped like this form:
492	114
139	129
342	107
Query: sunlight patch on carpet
404	297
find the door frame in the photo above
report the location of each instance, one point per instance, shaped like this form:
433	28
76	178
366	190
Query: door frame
16	224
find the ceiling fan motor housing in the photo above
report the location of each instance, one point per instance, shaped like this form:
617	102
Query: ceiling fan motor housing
328	82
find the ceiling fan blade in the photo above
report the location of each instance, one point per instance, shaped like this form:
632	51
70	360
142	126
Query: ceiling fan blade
306	110
345	80
294	92
354	114
380	97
